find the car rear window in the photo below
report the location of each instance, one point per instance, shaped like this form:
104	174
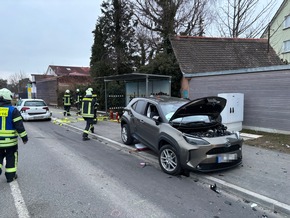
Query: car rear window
34	103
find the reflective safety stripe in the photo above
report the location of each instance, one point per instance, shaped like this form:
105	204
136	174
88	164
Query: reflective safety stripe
11	170
1	166
8	142
14	169
3	126
8	132
17	119
23	134
85	131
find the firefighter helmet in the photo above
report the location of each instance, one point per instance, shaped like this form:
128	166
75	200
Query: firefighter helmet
67	91
88	92
6	94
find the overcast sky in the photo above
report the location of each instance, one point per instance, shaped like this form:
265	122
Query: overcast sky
39	33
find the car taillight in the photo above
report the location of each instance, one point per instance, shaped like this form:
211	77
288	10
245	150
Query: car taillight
46	108
25	108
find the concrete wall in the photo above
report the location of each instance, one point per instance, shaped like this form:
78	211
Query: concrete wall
266	94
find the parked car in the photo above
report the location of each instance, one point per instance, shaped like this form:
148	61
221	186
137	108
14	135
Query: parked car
186	135
33	109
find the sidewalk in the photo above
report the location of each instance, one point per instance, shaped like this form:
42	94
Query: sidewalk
263	178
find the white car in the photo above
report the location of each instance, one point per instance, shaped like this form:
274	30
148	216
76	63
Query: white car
33	109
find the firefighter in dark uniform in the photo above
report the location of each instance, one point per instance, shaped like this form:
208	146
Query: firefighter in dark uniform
11	125
78	99
88	105
67	101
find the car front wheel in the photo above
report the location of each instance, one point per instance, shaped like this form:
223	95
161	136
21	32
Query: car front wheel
169	160
126	135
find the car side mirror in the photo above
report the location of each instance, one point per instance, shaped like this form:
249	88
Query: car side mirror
127	110
156	119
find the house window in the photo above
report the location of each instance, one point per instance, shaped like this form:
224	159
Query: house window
287	22
286	46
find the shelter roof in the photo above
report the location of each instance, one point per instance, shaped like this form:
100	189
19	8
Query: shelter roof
135	76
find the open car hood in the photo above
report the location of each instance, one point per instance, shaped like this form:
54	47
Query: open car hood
211	106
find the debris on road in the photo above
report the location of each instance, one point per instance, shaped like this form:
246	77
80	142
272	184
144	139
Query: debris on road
144	164
253	206
140	147
214	188
228	203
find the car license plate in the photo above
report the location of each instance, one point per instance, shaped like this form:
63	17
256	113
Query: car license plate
226	158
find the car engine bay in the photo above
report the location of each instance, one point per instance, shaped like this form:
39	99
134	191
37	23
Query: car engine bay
210	130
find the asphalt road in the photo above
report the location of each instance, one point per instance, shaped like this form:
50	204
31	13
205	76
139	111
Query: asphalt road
62	176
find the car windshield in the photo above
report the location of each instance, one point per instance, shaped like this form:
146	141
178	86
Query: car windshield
169	109
34	103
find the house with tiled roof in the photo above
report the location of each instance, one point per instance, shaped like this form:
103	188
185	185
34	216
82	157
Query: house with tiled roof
213	66
278	31
57	79
208	54
67	71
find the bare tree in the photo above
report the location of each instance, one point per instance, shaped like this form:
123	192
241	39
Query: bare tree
16	77
3	83
243	18
164	18
17	81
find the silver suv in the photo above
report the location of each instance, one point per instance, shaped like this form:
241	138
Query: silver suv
186	135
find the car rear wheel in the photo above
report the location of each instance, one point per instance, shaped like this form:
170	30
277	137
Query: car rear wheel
169	160
126	135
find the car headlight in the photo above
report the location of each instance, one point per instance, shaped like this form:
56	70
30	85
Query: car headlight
195	141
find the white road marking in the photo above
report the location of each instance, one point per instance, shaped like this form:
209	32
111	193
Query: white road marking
18	200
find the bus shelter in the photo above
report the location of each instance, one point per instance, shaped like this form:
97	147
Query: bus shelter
140	85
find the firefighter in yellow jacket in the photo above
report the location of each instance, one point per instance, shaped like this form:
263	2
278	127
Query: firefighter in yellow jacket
67	101
11	124
88	106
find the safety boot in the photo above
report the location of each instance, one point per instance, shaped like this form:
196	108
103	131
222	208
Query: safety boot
11	180
86	138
